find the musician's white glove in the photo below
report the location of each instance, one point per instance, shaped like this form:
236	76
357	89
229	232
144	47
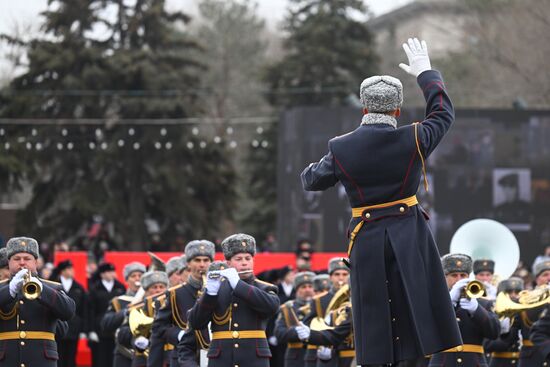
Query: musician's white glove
328	319
456	290
213	285
490	291
92	336
505	325
303	331
417	53
180	335
37	281
141	343
17	281
324	353
273	340
469	304
231	275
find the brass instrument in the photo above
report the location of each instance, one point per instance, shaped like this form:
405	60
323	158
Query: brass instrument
506	307
218	275
156	263
30	289
474	289
339	301
140	324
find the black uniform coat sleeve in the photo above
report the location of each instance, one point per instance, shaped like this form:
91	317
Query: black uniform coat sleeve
540	334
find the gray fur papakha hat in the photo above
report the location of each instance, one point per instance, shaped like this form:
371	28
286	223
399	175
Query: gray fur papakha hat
238	243
456	263
174	264
200	248
381	93
153	277
541	266
218	265
484	265
321	283
513	284
132	267
3	257
336	263
22	244
305	277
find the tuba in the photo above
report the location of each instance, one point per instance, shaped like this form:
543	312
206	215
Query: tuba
30	289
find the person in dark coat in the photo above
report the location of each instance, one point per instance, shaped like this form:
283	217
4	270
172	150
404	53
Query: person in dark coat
504	351
393	256
475	318
238	308
4	269
101	293
77	326
28	326
285	326
533	354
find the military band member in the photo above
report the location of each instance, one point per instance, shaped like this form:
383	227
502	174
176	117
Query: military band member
504	351
171	321
285	326
28	326
118	311
475	318
154	283
4	269
531	354
484	271
321	283
540	337
77	327
238	308
174	267
394	258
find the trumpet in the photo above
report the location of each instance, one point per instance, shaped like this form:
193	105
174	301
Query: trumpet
30	289
474	289
218	275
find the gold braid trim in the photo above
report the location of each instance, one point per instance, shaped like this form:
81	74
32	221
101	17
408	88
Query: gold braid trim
284	308
10	315
318	307
116	304
202	343
175	311
223	319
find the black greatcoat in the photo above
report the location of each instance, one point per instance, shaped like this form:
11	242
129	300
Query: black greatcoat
395	263
20	316
247	307
535	327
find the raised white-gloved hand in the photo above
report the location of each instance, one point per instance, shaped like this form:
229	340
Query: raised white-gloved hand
417	53
37	281
213	285
456	290
231	275
303	331
324	353
141	343
505	325
469	304
181	334
17	281
490	291
92	336
273	340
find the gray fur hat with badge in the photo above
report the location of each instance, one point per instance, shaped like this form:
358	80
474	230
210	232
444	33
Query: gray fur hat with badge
200	248
321	283
133	267
305	277
381	93
238	243
153	277
173	265
3	257
456	263
484	265
513	284
22	244
541	266
336	263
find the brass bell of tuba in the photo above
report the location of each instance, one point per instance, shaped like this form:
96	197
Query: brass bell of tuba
30	289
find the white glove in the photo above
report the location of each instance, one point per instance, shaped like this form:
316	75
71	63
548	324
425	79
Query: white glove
37	281
212	285
324	353
469	304
92	336
273	340
328	319
456	290
181	334
141	343
490	291
303	331
17	281
231	275
505	325
417	53
82	336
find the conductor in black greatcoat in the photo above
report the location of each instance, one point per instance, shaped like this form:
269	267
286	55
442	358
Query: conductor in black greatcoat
394	258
